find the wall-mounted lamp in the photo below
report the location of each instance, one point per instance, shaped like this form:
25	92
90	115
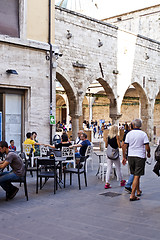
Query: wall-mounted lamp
115	71
100	44
11	71
69	35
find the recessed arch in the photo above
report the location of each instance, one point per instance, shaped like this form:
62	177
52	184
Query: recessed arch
137	97
70	91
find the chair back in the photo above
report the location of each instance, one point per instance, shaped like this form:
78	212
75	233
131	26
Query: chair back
89	151
43	150
68	152
27	148
83	160
45	162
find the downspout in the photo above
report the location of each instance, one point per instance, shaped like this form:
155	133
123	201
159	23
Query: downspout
50	44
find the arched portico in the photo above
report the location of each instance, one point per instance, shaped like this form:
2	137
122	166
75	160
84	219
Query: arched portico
114	115
72	99
143	107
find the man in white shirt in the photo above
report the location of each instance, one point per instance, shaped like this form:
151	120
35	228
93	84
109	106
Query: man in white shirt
138	144
78	139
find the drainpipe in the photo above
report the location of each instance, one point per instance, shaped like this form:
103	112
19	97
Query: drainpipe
49	42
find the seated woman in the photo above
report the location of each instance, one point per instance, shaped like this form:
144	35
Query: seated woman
64	142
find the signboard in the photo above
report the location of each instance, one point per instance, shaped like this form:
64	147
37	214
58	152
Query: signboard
0	126
52	120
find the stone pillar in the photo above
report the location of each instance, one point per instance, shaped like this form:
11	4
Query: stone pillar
81	122
114	115
115	118
67	113
147	116
90	112
75	126
144	115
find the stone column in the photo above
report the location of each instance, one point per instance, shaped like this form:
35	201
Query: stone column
144	115
114	115
81	122
67	113
147	116
75	126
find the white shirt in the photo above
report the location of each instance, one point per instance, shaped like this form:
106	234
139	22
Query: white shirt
78	141
136	140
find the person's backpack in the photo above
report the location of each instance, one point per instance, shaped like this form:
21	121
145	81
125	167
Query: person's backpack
157	154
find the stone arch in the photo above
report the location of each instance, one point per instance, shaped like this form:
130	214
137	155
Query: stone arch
70	91
60	108
114	115
143	106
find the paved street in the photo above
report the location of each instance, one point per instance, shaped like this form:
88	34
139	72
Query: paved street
71	214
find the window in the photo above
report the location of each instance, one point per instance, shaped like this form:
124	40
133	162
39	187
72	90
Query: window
9	18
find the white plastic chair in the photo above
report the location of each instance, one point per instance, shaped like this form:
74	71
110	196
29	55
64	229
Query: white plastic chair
103	166
43	150
69	152
89	152
27	150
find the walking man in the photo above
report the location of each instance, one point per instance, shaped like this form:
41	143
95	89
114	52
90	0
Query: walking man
138	144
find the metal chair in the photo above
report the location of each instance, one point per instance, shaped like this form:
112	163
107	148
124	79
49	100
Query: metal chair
46	168
23	179
78	170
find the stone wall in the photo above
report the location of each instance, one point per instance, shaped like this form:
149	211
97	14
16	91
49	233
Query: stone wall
33	78
123	60
144	22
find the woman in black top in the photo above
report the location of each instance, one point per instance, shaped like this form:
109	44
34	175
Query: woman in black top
114	141
64	142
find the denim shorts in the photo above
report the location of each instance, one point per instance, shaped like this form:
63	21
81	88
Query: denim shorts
137	165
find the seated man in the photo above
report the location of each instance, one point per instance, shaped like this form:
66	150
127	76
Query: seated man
37	147
29	140
18	170
83	145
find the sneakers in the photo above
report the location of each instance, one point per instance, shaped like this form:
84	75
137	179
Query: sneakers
123	182
107	185
128	189
12	194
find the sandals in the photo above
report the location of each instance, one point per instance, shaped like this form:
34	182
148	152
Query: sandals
134	199
138	195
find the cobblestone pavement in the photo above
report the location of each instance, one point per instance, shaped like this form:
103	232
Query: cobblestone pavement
73	214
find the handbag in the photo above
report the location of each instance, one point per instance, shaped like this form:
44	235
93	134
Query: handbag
157	153
112	153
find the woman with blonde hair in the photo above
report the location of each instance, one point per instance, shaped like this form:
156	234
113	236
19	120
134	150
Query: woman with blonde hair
113	145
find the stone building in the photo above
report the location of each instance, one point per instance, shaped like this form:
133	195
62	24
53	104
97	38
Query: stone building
26	36
115	58
144	22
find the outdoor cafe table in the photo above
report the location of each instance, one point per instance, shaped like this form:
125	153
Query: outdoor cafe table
59	160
